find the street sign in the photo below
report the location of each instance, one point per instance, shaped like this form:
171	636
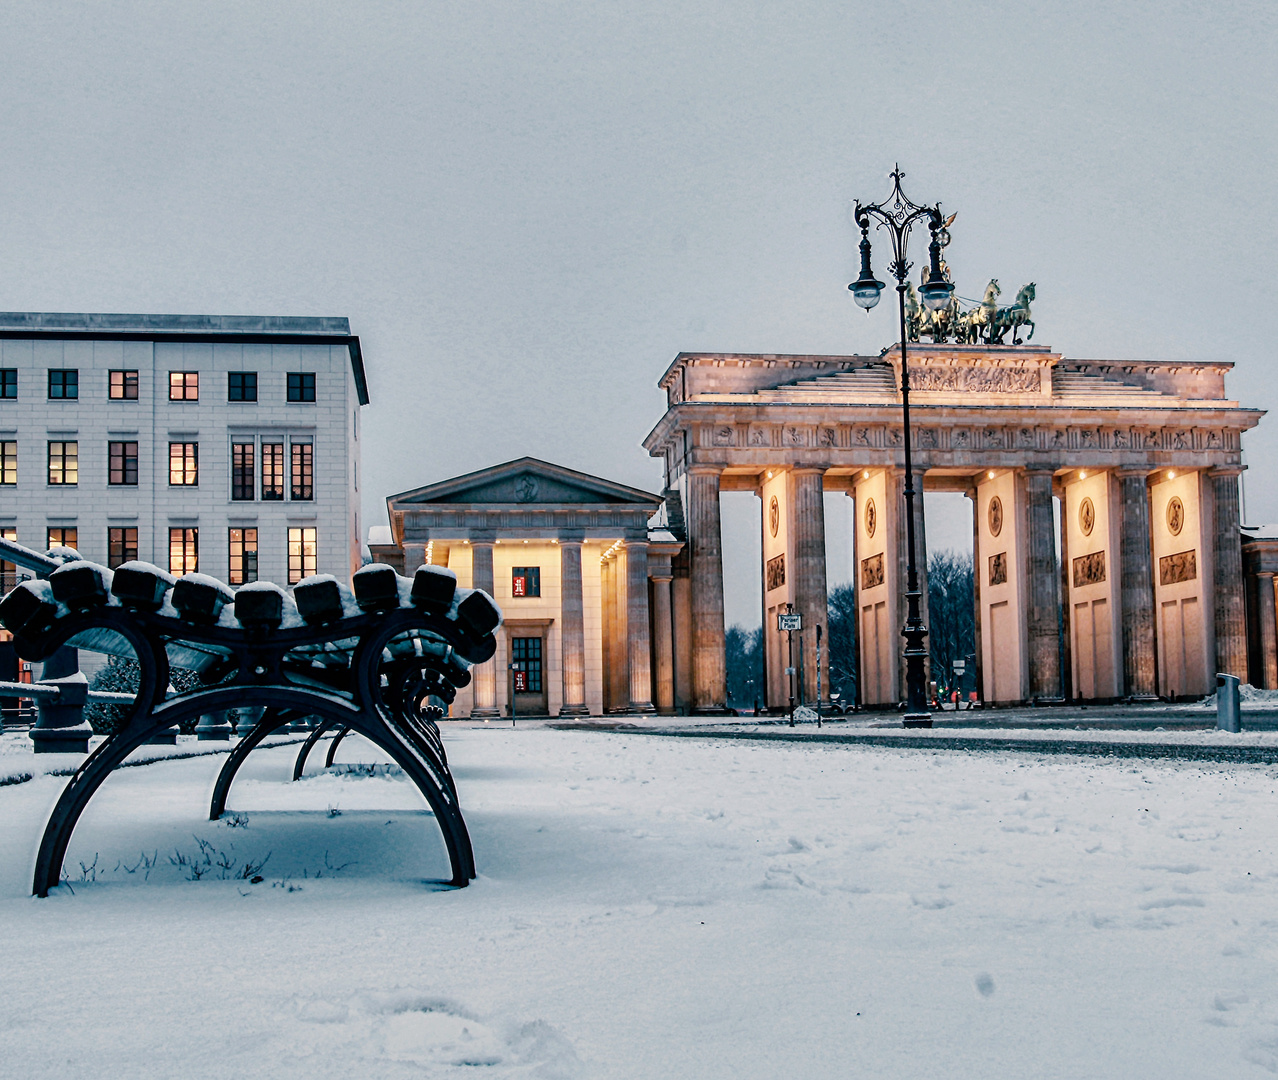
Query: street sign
789	622
960	666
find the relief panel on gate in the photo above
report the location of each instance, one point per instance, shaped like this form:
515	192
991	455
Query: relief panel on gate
998	568
776	572
872	571
1089	569
1173	569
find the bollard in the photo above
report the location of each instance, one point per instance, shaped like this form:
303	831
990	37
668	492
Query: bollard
62	728
1227	707
214	727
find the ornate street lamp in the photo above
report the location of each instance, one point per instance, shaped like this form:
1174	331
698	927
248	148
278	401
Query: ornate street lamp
898	214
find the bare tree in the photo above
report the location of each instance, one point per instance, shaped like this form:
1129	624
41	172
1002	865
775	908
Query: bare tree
952	628
841	630
744	655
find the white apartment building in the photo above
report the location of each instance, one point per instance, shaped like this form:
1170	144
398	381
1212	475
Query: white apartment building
223	444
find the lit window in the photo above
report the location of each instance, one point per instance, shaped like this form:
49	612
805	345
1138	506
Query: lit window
64	463
184	464
62	536
123	464
8	570
243	546
242	480
8	463
241	386
124	386
64	383
301	554
8	382
525	581
273	472
184	551
303	472
301	386
122	546
184	386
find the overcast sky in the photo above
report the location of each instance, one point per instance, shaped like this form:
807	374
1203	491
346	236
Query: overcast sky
527	209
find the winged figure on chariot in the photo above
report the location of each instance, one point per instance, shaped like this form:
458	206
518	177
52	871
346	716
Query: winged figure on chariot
983	323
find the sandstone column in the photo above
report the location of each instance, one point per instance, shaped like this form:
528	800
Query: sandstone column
640	645
485	674
807	540
1231	623
414	556
662	638
1268	636
1137	582
572	630
607	619
709	678
1044	638
618	645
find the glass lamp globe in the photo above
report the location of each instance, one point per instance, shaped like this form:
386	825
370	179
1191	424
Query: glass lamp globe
936	293
866	291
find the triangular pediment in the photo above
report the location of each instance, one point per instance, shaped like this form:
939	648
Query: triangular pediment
525	482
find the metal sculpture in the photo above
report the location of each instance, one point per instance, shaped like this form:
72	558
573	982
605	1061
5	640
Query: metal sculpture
363	659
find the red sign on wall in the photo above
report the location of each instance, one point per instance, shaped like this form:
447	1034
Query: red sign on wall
521	681
519	586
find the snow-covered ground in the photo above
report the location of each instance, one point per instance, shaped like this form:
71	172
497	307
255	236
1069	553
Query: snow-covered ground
653	907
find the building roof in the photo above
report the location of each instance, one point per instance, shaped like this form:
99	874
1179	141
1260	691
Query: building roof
257	329
526	481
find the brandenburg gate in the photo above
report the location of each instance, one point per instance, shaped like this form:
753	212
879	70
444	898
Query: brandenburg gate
1146	599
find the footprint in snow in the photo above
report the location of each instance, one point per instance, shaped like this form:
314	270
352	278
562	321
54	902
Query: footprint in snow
984	983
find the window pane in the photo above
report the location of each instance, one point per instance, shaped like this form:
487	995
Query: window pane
64	383
122	546
64	466
241	386
183	464
242	472
62	536
8	462
8	382
525	581
184	550
243	548
184	386
302	472
124	386
301	386
302	558
273	471
123	463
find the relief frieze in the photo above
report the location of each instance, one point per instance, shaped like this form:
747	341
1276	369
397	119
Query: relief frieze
975	380
872	571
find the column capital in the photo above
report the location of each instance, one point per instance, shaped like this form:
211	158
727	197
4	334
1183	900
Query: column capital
571	536
1225	471
703	469
1129	473
1039	470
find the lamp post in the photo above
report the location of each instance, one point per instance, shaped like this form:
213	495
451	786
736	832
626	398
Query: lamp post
899	215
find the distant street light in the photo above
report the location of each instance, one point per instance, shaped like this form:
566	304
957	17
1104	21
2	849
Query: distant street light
898	214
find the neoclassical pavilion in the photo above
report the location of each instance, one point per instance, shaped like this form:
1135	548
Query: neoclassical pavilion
1146	598
583	578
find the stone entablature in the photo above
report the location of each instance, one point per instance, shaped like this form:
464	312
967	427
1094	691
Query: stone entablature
978	407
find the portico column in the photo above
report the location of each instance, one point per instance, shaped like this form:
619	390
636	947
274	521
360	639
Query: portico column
662	639
1137	556
414	556
572	630
640	644
1268	636
709	679
807	533
1231	621
485	674
1044	640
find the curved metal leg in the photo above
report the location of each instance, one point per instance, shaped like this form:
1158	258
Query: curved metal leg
332	747
299	766
82	786
435	784
272	720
